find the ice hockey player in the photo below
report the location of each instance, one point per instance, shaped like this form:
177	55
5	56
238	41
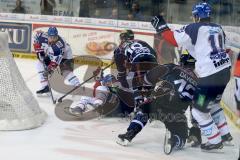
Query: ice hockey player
133	57
237	90
53	51
102	92
205	42
168	108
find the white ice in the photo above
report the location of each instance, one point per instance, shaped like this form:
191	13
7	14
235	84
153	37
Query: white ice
92	140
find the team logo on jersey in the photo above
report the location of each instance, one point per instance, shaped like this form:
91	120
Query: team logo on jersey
221	62
220	59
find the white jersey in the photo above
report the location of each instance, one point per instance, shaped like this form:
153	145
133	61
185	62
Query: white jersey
206	43
59	50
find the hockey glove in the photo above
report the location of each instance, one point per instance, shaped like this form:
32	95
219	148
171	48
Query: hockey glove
52	65
159	24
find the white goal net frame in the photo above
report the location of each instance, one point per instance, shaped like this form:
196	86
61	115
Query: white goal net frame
19	110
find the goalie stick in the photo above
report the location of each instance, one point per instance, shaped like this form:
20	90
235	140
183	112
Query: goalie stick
61	98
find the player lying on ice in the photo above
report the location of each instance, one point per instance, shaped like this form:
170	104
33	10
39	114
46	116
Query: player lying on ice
53	51
102	93
205	41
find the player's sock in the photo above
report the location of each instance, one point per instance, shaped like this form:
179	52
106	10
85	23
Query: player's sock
72	79
219	119
209	129
221	122
42	78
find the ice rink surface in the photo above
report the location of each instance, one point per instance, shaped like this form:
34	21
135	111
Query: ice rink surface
92	140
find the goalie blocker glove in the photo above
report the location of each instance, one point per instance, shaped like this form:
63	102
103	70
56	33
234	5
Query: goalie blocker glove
159	24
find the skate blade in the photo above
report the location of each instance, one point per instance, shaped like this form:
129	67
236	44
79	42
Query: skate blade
218	150
122	142
48	94
167	147
75	113
229	144
213	151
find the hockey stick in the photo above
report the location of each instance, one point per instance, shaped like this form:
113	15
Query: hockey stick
61	98
46	73
49	85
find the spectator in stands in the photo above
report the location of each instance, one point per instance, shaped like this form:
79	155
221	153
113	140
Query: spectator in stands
47	7
97	13
130	16
137	14
19	8
114	14
84	8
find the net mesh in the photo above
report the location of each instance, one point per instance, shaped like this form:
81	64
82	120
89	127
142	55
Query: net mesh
19	109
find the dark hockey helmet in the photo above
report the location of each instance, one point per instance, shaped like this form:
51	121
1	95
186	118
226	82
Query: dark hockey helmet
126	35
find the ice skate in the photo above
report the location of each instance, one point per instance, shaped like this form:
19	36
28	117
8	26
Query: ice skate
43	92
227	140
125	139
168	143
172	142
215	148
77	109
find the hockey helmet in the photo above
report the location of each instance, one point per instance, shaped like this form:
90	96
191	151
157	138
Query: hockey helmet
126	35
108	79
201	10
52	31
187	60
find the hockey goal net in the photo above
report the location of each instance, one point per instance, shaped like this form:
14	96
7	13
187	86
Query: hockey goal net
19	110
